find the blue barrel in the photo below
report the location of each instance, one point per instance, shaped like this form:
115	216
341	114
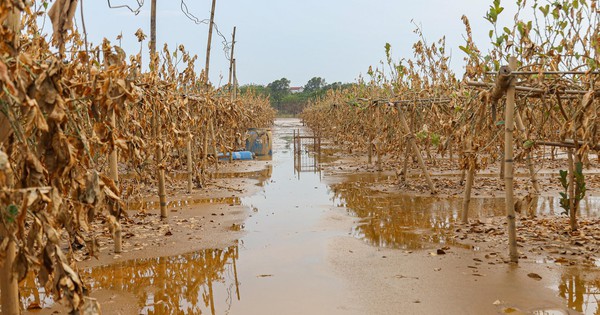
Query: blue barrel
259	141
238	155
242	155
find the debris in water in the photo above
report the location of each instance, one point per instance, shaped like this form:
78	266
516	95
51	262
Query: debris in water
534	276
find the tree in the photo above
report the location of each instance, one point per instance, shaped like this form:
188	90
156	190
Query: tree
280	86
315	84
278	90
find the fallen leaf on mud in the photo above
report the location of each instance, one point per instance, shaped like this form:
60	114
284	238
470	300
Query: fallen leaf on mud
437	269
34	306
441	252
534	276
264	276
497	302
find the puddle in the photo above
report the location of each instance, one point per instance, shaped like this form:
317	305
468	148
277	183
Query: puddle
147	205
580	287
281	262
184	284
416	222
403	221
262	176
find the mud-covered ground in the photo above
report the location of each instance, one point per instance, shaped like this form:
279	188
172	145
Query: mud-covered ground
343	238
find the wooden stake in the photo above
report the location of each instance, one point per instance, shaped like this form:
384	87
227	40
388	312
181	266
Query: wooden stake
204	149
530	165
377	142
232	92
508	175
190	167
159	154
210	30
9	287
471	174
406	147
411	140
152	28
211	126
231	64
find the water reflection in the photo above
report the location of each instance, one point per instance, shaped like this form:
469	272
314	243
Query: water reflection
184	284
147	205
581	289
261	176
415	222
404	221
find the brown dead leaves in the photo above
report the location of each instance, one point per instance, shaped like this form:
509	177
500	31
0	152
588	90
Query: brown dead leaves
61	14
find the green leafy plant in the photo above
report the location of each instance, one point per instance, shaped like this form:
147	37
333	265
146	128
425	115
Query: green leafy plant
11	213
580	188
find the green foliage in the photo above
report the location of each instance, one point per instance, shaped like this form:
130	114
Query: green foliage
580	188
315	84
287	103
11	212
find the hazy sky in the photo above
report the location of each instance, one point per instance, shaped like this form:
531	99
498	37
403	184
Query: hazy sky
297	39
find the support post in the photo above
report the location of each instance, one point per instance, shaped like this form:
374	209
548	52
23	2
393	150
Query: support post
159	154
9	287
571	192
411	140
508	169
530	166
210	30
471	174
190	167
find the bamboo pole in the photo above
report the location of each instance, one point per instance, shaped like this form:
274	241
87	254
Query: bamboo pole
159	153
508	175
571	192
411	140
231	63
537	91
377	142
211	127
530	165
114	175
208	44
204	149
231	92
406	148
9	286
190	168
470	177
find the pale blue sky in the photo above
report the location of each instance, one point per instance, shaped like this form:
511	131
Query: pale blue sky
298	39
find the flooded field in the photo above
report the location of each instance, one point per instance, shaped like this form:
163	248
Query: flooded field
283	262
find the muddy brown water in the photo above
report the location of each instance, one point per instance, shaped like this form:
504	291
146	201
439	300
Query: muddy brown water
281	261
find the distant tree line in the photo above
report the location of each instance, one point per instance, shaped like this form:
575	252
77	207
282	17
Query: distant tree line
288	103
